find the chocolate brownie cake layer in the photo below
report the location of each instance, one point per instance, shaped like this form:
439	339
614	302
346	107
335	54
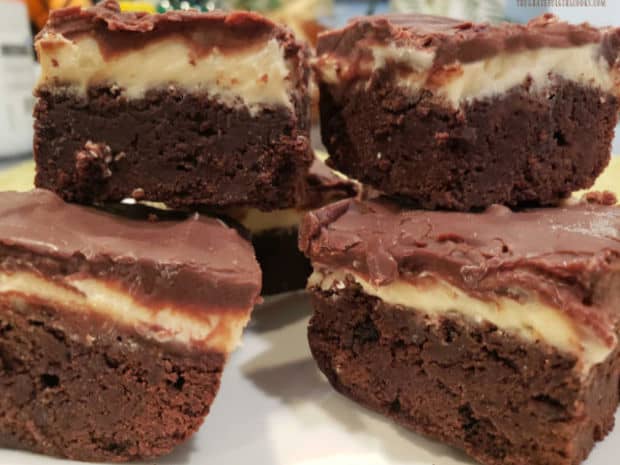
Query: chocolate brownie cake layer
455	115
161	302
86	388
216	101
415	309
515	149
502	400
274	234
198	150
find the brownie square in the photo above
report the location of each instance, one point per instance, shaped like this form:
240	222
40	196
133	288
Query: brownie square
114	328
183	108
496	333
454	115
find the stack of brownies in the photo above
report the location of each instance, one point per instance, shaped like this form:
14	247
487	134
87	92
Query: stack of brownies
117	319
471	302
468	300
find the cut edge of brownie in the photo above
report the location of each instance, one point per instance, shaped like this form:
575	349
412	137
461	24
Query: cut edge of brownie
519	148
193	159
130	397
449	378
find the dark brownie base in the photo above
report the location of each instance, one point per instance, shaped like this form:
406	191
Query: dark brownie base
501	400
180	149
87	389
521	148
285	268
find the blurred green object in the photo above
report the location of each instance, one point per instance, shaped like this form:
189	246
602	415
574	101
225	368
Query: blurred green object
258	5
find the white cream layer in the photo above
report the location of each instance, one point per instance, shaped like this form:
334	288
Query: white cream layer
251	77
463	82
529	318
217	330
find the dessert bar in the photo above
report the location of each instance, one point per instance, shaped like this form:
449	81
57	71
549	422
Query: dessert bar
495	332
456	115
183	108
114	329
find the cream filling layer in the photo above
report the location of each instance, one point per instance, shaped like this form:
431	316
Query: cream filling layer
252	77
257	221
463	82
528	318
218	330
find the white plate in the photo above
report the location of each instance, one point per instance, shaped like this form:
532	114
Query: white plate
275	408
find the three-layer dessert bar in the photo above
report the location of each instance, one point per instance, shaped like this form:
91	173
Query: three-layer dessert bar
455	115
184	108
114	329
494	332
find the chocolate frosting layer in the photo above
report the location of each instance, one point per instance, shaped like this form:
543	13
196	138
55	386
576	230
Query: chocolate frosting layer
118	32
570	256
196	263
463	41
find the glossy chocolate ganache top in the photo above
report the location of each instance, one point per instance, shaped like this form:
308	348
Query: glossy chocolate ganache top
117	32
454	40
196	262
569	255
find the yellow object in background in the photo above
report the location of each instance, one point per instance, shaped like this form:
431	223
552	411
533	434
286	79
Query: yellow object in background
39	9
301	16
137	7
20	178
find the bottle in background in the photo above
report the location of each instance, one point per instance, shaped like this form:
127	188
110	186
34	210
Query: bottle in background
17	75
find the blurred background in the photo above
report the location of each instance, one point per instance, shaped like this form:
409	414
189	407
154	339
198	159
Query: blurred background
20	20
